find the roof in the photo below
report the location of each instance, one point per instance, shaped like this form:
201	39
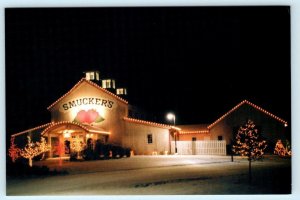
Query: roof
32	129
87	128
92	84
94	129
193	129
138	121
254	106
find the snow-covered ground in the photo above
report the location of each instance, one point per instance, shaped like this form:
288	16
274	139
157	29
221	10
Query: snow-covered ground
162	175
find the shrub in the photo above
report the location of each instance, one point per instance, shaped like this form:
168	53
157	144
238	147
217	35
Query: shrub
127	152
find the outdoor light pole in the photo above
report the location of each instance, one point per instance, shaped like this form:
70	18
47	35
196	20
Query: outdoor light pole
172	116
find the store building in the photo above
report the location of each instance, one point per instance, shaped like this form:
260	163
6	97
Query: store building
89	110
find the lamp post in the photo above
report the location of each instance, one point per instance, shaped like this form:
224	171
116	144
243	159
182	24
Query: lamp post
171	116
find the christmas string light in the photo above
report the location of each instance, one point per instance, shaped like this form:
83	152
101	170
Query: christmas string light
77	146
32	129
13	151
249	142
282	151
148	123
90	83
193	132
254	106
32	149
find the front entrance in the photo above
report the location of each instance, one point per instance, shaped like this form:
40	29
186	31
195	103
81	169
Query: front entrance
67	147
55	147
66	138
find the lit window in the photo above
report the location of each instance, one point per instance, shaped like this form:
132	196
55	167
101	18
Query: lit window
87	76
104	83
121	91
149	139
113	84
97	76
118	91
108	83
92	76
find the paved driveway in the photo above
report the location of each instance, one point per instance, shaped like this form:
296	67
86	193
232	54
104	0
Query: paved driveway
159	175
135	162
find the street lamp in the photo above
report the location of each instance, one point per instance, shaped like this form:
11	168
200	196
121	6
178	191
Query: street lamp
171	116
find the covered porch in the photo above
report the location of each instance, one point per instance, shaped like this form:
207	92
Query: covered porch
62	135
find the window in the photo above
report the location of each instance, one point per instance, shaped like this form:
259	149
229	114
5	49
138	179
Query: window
92	77
87	76
149	139
194	138
113	84
220	137
97	76
108	83
121	91
104	83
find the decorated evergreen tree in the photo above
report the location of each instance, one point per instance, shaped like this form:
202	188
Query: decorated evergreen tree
249	143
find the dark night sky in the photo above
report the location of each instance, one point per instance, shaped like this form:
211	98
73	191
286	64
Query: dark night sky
196	61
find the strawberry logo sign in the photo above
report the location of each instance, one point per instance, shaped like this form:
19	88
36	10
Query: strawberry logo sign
88	117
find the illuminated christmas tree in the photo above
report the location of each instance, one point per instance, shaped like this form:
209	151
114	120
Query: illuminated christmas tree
249	143
77	146
281	150
13	151
34	149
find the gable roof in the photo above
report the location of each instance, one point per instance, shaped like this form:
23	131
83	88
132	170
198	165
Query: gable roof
254	106
32	129
92	84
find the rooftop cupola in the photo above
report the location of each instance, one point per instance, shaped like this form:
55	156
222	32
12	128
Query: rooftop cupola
122	92
92	75
109	84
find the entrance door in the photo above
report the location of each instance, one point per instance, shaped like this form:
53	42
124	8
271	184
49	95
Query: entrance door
67	147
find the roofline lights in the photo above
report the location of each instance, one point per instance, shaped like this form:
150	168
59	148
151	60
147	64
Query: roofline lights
32	129
91	83
62	123
253	105
193	132
147	122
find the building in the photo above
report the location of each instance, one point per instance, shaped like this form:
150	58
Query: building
90	111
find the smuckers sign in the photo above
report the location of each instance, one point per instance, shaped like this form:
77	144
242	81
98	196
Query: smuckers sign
85	101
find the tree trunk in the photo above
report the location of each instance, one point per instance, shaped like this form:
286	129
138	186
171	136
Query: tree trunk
250	175
30	162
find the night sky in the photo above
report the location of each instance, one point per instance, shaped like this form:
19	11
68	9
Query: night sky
198	62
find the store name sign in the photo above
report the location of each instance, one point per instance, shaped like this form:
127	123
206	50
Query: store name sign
86	101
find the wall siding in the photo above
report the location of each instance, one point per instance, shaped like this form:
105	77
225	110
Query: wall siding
135	137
